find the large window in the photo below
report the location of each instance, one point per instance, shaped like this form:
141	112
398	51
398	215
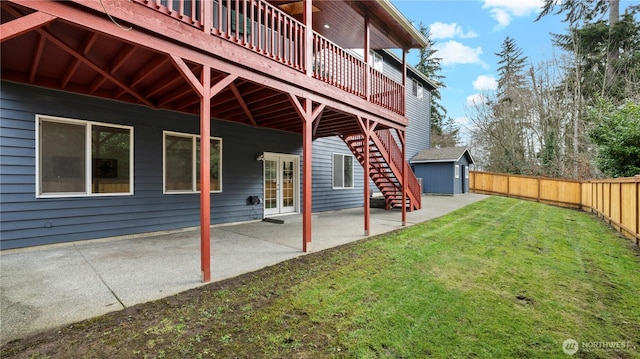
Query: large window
79	158
342	171
182	163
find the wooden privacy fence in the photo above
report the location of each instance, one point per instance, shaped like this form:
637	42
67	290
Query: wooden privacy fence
617	200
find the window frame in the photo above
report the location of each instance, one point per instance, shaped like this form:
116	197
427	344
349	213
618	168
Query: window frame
333	170
88	160
194	181
418	89
457	171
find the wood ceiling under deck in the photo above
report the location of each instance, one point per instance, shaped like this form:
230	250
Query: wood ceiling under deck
67	57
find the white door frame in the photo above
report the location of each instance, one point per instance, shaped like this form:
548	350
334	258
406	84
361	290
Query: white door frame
280	209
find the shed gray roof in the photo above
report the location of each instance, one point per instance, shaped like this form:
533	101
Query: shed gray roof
446	154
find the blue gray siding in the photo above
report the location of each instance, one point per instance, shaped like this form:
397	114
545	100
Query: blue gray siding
437	177
27	220
324	197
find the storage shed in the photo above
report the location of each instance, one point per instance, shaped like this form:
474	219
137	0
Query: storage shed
443	170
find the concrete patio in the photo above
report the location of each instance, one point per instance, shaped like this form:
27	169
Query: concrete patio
50	286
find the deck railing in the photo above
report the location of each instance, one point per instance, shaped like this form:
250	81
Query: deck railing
396	157
269	31
334	65
385	92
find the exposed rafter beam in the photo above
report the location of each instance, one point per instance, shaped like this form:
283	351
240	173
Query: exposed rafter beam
71	70
36	59
93	66
246	110
26	23
122	57
148	69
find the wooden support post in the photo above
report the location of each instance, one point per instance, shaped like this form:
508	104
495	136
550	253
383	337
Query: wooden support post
637	212
206	92
307	141
307	115
207	16
403	139
205	184
365	126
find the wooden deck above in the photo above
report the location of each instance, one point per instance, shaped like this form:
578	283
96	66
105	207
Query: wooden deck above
139	51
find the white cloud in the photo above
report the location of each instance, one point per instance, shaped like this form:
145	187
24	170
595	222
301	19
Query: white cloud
517	8
441	30
484	82
502	17
453	52
475	99
463	121
503	11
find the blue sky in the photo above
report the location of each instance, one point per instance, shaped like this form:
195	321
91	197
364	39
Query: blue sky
468	33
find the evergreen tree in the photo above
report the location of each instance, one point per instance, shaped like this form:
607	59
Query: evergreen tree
508	150
511	76
429	65
616	131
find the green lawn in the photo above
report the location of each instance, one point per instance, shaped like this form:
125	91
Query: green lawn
501	278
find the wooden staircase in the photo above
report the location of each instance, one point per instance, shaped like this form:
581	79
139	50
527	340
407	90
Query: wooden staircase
385	168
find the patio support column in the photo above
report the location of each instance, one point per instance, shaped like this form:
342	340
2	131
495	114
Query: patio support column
307	141
205	177
204	89
307	114
365	126
403	141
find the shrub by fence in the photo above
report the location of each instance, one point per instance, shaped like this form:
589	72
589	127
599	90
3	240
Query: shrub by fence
615	200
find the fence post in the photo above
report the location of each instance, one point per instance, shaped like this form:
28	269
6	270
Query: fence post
621	206
538	200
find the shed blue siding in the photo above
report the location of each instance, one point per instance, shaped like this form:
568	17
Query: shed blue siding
27	220
437	177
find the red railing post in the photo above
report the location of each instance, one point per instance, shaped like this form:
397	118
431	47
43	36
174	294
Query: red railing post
207	16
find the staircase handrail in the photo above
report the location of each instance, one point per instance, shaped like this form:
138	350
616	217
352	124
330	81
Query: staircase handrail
395	154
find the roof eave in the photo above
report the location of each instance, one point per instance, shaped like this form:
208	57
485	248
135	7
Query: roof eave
433	161
420	40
